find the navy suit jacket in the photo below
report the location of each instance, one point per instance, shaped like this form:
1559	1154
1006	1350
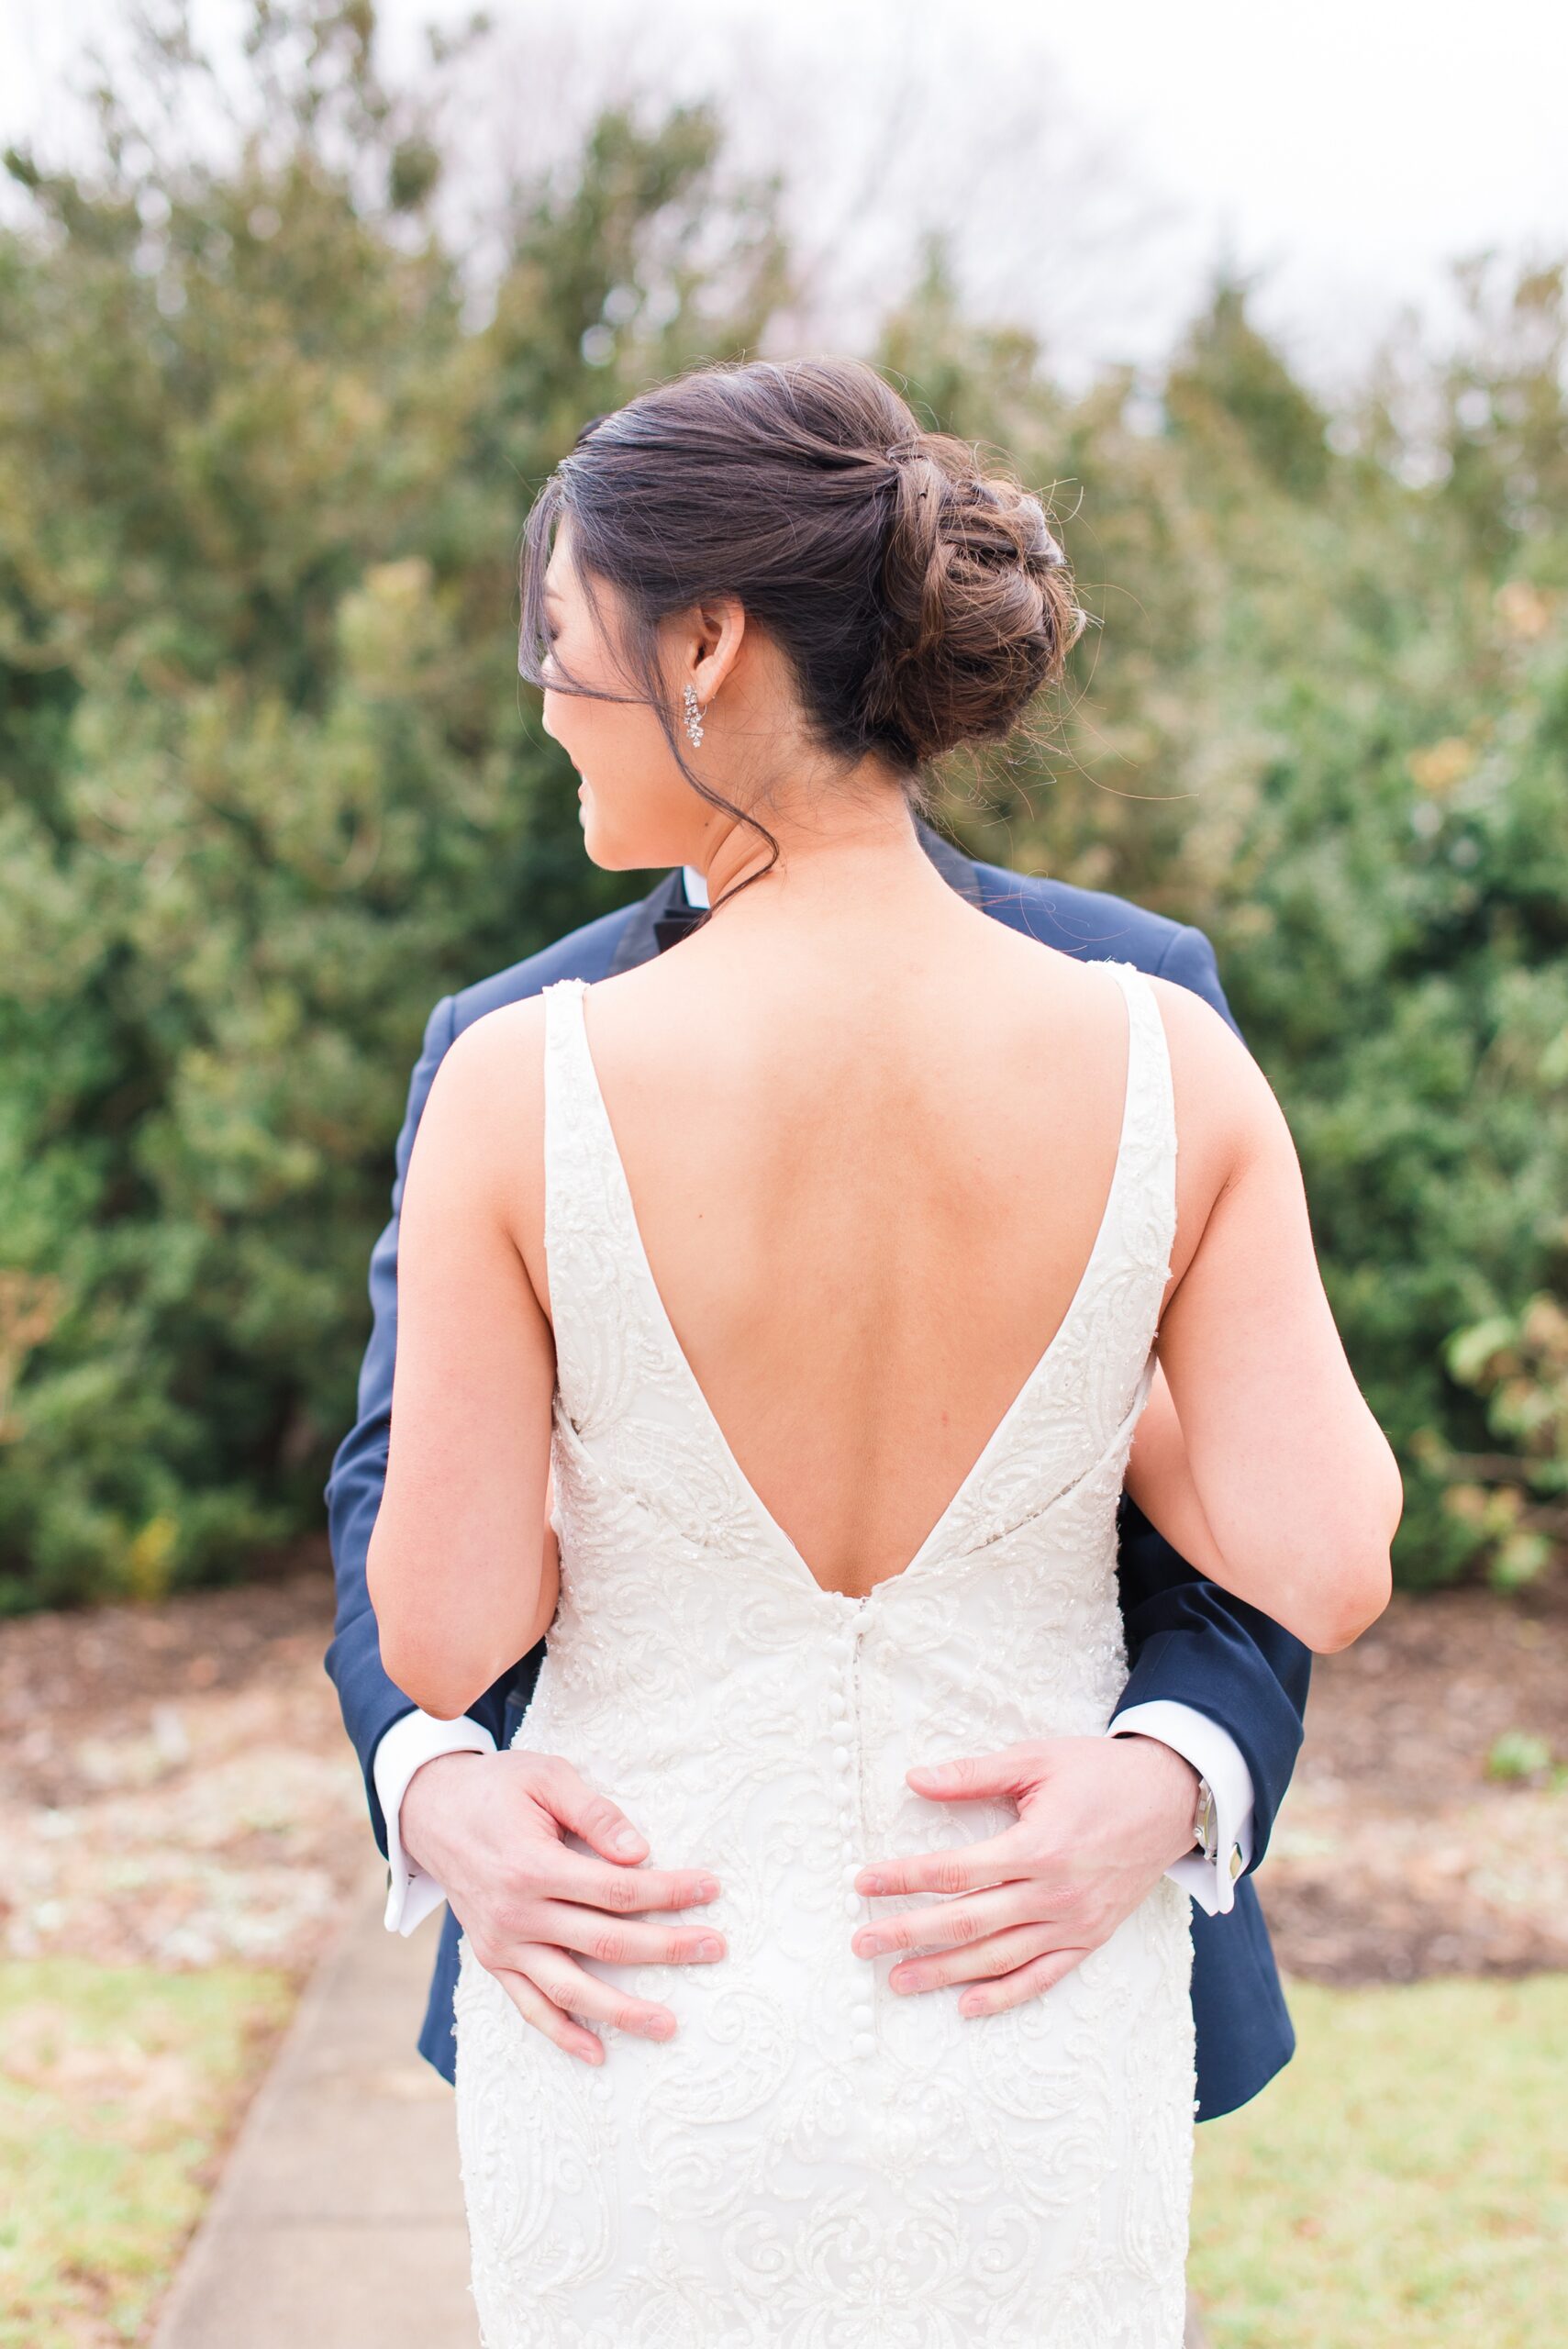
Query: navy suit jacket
1186	1639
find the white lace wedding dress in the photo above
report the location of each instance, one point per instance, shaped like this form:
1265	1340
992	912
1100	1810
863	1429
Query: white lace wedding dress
813	2161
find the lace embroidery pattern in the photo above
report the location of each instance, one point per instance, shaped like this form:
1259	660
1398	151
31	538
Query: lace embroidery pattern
815	2161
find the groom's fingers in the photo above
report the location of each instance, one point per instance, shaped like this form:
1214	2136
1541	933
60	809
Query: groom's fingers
618	1940
954	1925
965	1869
982	1961
546	2016
560	1875
970	1774
1030	1981
585	1810
571	1990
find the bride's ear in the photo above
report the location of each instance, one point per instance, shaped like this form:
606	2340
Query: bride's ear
715	631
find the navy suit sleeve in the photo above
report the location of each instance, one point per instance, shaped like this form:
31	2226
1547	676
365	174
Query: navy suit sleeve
1188	1640
370	1701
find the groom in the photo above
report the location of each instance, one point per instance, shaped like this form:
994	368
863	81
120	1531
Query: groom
1187	1780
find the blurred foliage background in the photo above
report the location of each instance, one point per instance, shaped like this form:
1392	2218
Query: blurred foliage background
268	785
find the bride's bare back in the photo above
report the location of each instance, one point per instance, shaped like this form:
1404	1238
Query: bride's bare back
868	1182
868	1154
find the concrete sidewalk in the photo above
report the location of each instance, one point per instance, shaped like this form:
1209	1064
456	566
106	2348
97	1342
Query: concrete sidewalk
338	2221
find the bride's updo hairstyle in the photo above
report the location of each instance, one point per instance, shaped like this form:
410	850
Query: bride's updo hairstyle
921	601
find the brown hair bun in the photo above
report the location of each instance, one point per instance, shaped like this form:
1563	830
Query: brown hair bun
978	608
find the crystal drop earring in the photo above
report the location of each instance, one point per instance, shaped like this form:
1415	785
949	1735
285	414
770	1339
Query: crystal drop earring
693	714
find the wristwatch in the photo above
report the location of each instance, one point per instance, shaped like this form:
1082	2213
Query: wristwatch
1206	1830
1206	1825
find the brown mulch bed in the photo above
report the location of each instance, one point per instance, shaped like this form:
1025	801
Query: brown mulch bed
1398	1854
179	1790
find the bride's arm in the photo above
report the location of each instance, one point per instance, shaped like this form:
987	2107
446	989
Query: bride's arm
462	1567
1159	1466
1257	1456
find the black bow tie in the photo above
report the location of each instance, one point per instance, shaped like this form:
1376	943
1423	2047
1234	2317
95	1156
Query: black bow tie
670	927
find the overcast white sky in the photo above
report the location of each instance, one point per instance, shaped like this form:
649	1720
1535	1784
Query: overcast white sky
1093	160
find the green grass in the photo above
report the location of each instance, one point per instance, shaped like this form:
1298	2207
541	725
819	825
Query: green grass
1404	2184
118	2088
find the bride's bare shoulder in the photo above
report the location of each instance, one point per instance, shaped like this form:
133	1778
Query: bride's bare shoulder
1224	1101
497	1037
491	1077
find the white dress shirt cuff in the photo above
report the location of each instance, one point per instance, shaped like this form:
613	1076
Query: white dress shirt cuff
1214	1755
414	1739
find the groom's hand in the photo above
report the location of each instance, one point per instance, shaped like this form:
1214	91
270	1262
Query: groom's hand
490	1828
1100	1819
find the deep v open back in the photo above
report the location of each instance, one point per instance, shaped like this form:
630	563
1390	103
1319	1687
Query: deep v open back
591	1233
814	2159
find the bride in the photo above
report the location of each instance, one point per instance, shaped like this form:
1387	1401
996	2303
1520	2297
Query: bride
779	1322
